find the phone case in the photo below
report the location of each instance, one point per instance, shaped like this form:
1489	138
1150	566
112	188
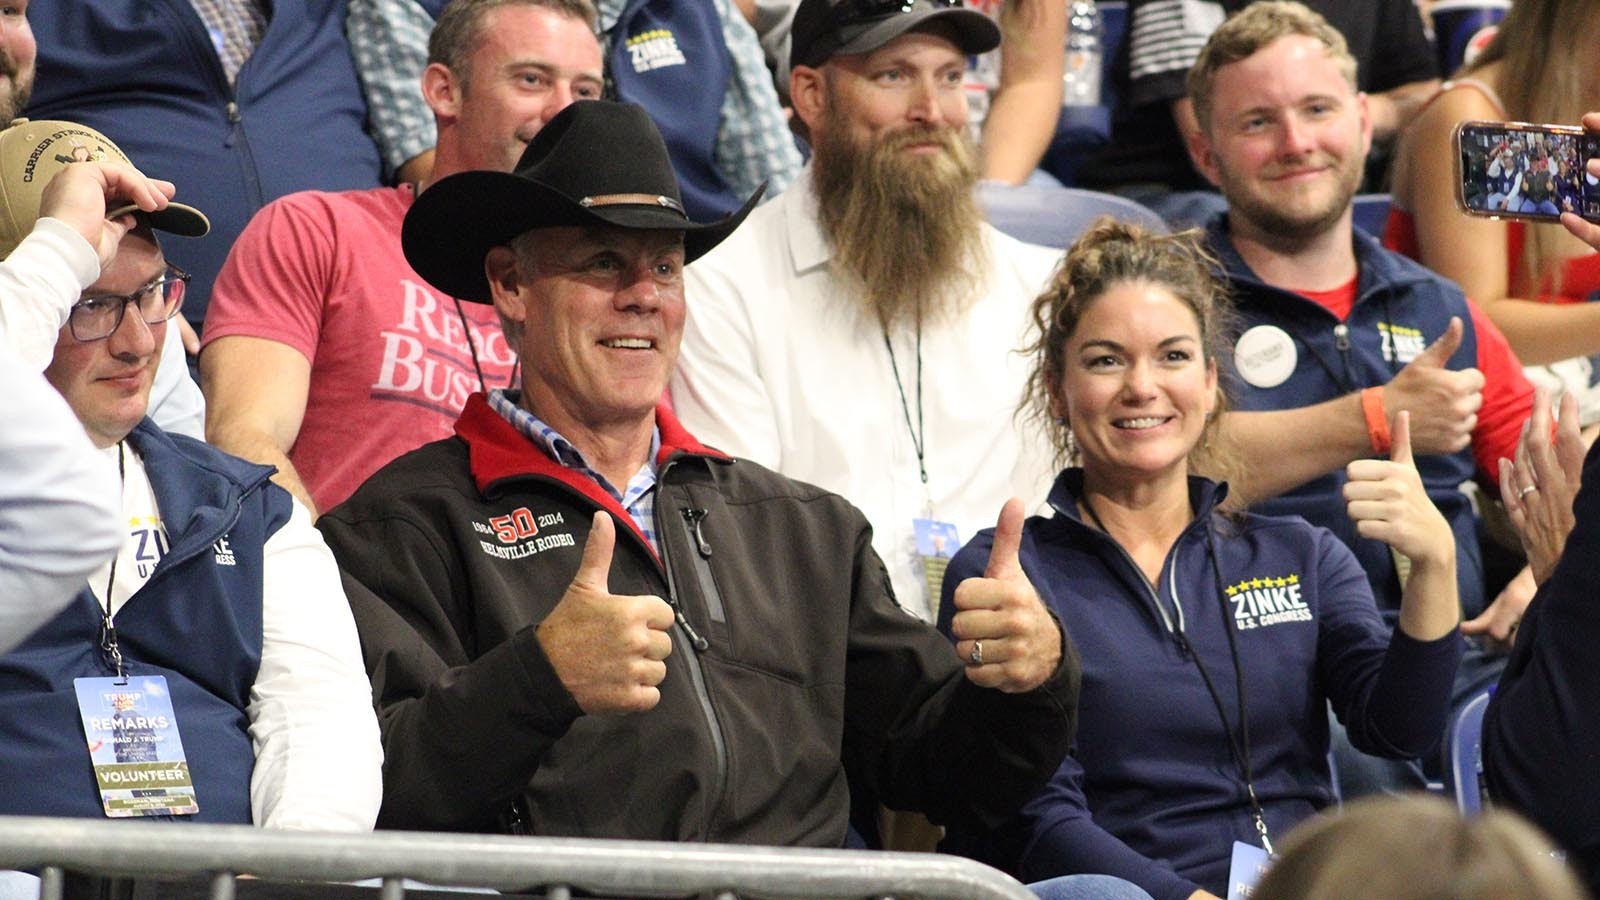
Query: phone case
1519	170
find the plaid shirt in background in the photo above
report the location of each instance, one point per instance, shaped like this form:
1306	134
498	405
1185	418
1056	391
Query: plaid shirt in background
389	41
640	497
235	27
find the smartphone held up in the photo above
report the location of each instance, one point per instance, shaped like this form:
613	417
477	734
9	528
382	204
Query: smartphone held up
1514	170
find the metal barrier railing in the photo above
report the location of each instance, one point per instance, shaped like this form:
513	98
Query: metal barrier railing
554	865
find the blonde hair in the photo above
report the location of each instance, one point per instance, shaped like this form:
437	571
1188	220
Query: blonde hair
1251	29
1414	847
1549	55
1108	254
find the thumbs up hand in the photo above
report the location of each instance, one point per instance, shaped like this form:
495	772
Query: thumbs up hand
1006	637
1386	500
1443	403
609	650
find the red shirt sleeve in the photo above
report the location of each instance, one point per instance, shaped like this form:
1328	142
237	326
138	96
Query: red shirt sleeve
275	282
1507	398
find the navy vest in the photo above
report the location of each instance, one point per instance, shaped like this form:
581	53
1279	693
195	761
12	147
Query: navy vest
197	622
144	73
669	56
1400	308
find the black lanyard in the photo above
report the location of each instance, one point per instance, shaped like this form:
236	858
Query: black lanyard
918	433
1241	746
1238	745
108	631
472	348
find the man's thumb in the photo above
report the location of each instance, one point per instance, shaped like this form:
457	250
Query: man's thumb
1003	561
1438	353
1400	438
595	568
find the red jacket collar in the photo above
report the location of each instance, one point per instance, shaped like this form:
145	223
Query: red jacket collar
496	450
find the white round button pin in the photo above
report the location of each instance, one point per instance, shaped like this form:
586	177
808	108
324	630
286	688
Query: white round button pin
1265	356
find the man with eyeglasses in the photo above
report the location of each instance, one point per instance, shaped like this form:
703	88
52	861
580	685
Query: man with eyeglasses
218	639
176	403
857	332
58	511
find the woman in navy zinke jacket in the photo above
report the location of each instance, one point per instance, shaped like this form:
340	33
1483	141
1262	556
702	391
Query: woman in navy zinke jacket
1185	614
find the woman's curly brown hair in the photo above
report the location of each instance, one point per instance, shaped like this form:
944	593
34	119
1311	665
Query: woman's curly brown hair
1108	254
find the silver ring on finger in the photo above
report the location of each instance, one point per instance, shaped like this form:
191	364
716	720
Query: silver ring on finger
1526	491
976	656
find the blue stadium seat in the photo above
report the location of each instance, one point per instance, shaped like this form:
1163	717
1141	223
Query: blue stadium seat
1463	755
1054	216
1371	212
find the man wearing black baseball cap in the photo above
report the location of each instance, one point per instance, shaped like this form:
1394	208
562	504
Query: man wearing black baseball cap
824	29
879	262
579	620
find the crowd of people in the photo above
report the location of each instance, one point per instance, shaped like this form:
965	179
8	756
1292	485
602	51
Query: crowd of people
570	458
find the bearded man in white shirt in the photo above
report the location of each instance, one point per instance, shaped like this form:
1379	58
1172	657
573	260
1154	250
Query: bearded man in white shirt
858	331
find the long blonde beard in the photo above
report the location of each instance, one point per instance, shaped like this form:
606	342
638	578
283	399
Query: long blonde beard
905	229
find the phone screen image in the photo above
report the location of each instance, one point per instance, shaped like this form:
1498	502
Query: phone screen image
1527	171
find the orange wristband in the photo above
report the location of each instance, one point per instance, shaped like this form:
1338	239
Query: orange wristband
1377	419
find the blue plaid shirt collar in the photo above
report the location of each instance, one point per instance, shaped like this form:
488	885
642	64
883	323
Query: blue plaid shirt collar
638	497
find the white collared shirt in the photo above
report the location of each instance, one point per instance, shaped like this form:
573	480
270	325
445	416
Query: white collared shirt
780	367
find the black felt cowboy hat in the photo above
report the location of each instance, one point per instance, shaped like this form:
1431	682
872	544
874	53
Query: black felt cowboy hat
595	163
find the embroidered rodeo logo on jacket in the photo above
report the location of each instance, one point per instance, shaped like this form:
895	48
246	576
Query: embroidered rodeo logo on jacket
517	534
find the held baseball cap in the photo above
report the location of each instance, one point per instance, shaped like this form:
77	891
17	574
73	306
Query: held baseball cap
823	29
33	152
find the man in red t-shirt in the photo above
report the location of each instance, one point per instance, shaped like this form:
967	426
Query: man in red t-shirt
325	354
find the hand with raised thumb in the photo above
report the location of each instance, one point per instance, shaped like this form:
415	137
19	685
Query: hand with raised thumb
1003	633
1438	353
609	650
1443	402
1386	500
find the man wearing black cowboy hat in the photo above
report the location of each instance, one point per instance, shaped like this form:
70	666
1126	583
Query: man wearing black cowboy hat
878	262
581	621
